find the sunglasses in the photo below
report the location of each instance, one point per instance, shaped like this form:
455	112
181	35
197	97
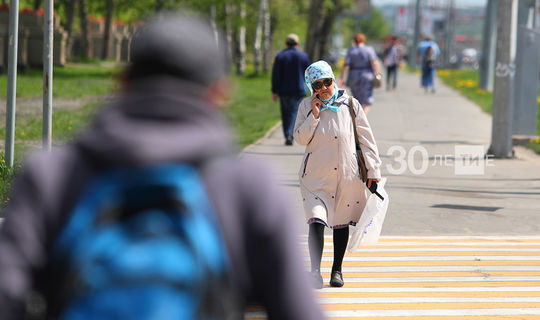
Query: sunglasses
319	84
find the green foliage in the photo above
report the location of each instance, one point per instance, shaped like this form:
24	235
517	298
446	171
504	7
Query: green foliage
374	27
7	175
288	17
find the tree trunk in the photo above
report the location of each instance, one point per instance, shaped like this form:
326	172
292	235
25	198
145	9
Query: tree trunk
326	29
267	43
85	37
160	4
107	36
314	20
258	35
320	23
241	41
213	23
229	32
69	25
37	4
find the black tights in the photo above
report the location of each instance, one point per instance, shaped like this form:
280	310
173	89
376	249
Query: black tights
316	244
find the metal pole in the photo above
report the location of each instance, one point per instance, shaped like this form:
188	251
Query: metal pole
12	80
501	132
47	74
412	54
487	63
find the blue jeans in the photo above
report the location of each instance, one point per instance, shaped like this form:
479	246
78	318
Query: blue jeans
391	72
428	75
289	109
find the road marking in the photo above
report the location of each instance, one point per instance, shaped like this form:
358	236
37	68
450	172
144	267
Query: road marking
434	278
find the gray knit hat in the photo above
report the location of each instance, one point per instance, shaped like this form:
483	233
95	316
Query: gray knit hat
177	45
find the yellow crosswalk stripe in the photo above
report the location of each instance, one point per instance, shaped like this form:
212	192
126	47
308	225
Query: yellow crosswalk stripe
433	278
429	294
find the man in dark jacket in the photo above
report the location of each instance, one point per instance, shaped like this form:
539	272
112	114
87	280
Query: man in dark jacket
167	112
288	83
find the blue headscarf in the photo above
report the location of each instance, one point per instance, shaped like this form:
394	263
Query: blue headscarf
322	70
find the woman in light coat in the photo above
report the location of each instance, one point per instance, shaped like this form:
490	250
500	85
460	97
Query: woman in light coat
332	191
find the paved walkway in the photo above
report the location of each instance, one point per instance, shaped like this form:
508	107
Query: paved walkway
504	200
454	246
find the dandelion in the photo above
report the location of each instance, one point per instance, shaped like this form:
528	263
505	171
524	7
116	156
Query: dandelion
69	128
3	161
22	133
481	91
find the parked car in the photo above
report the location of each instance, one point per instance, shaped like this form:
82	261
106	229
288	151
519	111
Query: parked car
469	58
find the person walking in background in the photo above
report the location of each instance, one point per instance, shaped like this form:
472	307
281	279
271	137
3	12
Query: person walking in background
361	67
333	193
288	83
426	55
392	59
150	214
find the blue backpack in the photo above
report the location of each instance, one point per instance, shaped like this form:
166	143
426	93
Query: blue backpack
144	243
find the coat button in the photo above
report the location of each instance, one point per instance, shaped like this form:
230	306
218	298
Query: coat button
357	202
316	198
348	206
335	168
332	197
335	137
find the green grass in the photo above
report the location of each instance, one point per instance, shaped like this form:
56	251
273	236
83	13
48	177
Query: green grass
71	81
252	111
466	82
65	124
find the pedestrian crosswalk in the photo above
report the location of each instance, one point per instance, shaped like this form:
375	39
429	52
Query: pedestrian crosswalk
432	278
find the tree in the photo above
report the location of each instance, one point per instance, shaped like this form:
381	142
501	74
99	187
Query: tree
107	36
257	50
374	27
241	40
70	20
85	37
322	15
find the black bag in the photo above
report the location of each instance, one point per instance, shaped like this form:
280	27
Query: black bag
362	169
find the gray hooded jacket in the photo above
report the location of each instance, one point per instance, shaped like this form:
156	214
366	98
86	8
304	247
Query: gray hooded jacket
157	120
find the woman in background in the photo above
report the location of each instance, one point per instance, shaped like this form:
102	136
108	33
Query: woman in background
361	66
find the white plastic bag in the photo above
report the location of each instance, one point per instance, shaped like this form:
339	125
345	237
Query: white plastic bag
368	229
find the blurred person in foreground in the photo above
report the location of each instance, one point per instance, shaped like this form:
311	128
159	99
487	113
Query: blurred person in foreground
427	53
333	193
361	67
288	83
166	115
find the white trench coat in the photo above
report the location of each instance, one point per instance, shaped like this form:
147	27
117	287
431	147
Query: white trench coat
331	188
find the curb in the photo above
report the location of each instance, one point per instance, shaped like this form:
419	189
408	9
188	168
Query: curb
266	135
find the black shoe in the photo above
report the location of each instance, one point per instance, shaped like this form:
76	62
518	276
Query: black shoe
317	279
289	141
336	279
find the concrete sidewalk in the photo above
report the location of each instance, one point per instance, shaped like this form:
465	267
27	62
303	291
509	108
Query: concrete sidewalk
431	199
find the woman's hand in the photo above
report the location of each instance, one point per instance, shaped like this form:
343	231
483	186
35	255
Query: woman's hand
370	180
315	105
